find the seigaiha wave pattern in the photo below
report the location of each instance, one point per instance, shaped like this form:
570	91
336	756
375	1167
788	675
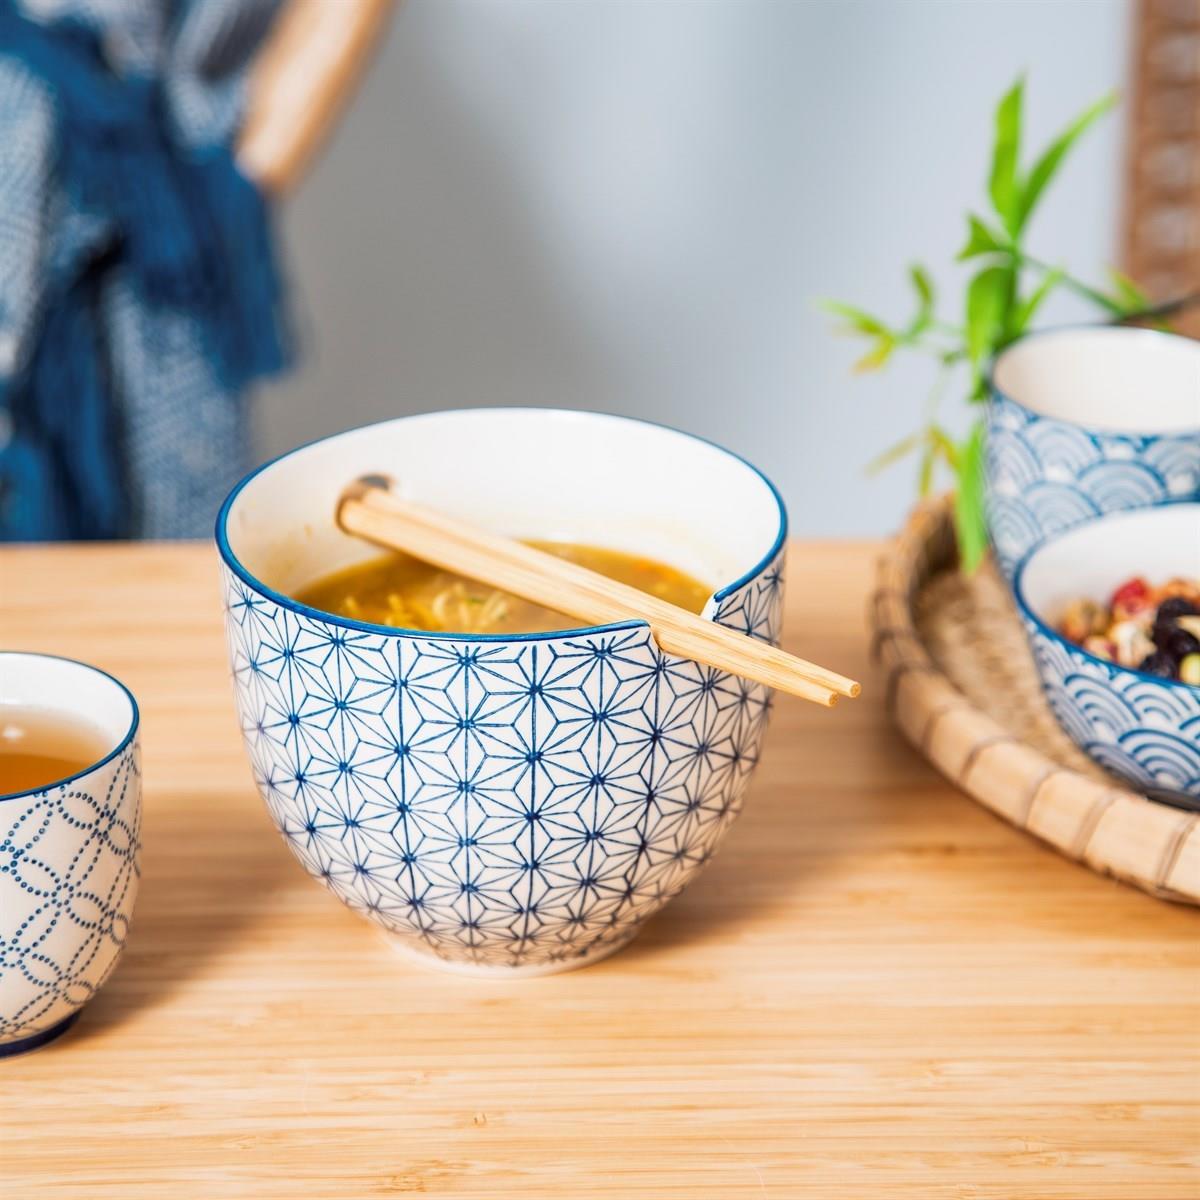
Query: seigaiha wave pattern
1045	476
1143	729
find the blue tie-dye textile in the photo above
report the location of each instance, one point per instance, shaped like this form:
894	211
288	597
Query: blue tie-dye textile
138	291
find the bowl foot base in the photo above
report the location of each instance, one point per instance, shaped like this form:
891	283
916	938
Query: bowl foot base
37	1040
404	947
1169	796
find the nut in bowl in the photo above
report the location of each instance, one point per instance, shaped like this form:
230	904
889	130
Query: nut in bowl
1142	722
512	801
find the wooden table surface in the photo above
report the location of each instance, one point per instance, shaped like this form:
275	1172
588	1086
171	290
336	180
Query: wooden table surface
876	990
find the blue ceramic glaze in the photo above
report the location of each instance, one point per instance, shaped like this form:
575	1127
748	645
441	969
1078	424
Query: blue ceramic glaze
1044	475
69	857
1141	727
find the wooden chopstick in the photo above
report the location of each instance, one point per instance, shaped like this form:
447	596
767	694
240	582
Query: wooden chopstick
369	510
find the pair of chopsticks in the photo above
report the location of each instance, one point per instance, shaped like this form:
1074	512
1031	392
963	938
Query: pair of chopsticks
369	510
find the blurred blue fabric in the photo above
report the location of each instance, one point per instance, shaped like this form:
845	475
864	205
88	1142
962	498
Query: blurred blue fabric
139	294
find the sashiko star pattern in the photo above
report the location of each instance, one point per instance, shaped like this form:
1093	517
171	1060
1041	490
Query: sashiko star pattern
499	802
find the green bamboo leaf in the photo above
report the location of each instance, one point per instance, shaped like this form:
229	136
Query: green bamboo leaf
945	445
923	286
938	444
969	524
1051	159
1127	293
1004	185
988	297
878	355
857	320
1025	311
894	453
981	239
925	472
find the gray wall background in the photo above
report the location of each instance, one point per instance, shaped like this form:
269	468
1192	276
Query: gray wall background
632	205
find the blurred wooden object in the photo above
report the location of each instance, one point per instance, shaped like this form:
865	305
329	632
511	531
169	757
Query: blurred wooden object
1162	210
307	71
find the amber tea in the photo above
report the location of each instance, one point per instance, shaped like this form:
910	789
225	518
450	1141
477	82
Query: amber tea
40	748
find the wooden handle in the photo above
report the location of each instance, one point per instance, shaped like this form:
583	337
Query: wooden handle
380	516
302	79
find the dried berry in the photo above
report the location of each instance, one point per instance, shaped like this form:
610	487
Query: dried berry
1158	664
1166	622
1174	607
1178	644
1152	629
1134	596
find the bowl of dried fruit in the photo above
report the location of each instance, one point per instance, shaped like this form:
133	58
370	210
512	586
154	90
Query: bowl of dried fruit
1112	612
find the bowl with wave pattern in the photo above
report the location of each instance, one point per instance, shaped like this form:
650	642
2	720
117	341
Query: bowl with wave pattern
1088	421
513	803
1142	728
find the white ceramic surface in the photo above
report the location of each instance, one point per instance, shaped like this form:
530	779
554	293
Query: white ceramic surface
1088	421
520	803
1143	728
69	855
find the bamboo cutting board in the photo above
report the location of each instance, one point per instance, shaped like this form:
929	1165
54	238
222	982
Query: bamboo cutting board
877	989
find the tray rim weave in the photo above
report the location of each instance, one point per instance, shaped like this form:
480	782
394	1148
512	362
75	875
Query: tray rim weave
1107	827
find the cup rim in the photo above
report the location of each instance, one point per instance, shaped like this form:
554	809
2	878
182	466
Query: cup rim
284	601
1129	332
1026	610
122	745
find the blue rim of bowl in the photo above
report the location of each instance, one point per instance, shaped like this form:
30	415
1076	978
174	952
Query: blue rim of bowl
1018	591
1126	331
234	564
121	746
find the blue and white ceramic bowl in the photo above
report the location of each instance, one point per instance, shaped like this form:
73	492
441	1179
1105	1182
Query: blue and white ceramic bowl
1088	421
69	855
520	803
1141	727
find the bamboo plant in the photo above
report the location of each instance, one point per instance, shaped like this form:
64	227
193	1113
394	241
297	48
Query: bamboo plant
1002	298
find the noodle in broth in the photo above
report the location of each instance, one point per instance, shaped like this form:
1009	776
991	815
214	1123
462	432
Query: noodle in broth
407	593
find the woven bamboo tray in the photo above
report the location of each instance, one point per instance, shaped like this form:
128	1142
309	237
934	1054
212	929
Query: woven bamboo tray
962	687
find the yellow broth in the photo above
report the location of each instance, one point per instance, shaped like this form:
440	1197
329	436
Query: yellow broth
406	593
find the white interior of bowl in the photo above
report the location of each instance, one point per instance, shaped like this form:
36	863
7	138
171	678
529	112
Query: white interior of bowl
1120	380
539	473
1091	560
69	689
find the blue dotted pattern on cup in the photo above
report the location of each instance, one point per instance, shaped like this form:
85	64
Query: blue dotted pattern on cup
69	871
1044	476
523	802
1143	729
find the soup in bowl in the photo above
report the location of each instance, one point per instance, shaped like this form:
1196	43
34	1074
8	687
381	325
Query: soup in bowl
514	794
